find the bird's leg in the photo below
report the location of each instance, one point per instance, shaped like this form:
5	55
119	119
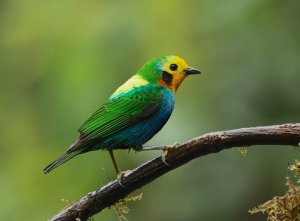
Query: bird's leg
118	171
165	150
163	147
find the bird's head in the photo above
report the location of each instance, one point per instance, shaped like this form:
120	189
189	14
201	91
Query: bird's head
168	71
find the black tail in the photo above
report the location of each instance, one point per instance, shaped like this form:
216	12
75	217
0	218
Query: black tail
64	158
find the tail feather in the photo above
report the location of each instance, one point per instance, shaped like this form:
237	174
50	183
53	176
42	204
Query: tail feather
64	158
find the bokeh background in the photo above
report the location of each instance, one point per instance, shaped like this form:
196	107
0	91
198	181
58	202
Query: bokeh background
60	60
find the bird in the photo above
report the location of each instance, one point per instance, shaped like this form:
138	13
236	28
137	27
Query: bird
134	113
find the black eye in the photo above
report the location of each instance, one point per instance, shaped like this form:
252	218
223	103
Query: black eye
173	67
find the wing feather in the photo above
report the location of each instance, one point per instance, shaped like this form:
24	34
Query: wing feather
119	113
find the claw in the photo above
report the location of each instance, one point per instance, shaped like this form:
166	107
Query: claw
119	178
166	149
163	158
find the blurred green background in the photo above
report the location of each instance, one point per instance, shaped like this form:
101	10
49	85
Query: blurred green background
60	60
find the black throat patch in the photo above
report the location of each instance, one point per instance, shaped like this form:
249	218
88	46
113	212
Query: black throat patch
167	77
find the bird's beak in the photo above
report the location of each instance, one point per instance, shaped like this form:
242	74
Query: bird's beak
191	70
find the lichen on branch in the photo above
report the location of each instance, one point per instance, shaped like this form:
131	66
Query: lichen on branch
287	207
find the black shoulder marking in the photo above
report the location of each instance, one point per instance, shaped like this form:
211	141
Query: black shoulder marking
146	112
167	77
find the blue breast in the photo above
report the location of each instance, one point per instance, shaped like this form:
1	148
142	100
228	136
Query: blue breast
138	134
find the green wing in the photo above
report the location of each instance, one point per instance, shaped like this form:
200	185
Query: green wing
118	113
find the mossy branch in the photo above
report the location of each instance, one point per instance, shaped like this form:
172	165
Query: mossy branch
95	202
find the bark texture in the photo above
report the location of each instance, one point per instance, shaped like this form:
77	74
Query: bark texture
95	202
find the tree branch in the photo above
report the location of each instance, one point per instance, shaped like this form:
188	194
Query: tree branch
95	202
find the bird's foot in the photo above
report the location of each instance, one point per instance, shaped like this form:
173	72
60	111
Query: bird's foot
120	175
170	147
166	150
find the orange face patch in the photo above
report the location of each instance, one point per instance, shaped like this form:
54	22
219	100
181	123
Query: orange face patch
175	75
176	81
